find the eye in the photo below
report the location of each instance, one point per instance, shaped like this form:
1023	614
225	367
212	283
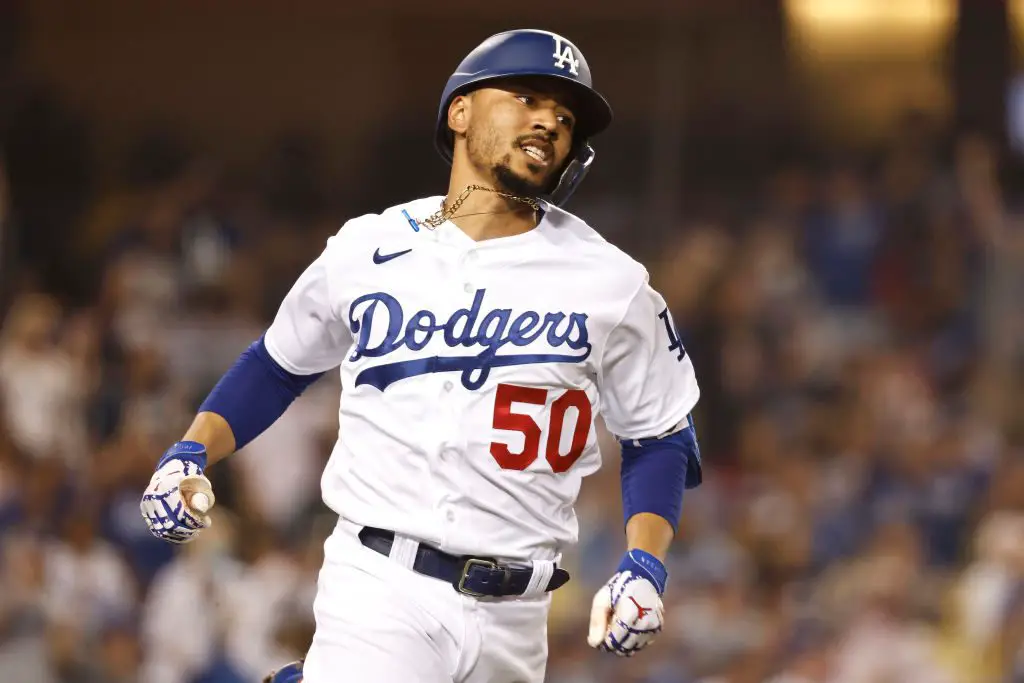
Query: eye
566	121
525	99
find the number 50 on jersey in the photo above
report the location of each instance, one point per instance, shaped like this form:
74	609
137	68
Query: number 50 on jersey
508	418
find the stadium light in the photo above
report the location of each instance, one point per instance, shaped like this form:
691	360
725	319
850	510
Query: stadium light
831	26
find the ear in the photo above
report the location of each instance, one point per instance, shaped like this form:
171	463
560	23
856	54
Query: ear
458	114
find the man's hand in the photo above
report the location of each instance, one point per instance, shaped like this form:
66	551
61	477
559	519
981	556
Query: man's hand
627	612
179	496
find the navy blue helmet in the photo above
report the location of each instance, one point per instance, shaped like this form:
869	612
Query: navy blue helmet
532	52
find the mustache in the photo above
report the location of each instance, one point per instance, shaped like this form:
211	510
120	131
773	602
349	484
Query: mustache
548	139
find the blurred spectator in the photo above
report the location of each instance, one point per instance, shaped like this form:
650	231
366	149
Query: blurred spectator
272	571
42	389
23	609
883	640
185	619
843	235
87	583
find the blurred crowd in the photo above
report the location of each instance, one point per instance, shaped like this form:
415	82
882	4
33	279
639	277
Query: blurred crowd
858	334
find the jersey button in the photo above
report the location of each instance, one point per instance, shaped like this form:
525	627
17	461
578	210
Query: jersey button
467	287
448	386
450	516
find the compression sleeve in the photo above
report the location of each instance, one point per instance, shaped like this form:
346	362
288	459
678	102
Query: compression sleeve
254	393
656	471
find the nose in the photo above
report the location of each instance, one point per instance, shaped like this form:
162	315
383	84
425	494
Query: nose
545	119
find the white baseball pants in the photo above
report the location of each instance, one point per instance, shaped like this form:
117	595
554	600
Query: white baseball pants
380	622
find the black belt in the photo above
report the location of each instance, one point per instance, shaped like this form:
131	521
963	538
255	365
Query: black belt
473	576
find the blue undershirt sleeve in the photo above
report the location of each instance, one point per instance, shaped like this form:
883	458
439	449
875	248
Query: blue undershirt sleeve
254	393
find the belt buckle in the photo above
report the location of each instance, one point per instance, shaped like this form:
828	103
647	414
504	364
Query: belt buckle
470	563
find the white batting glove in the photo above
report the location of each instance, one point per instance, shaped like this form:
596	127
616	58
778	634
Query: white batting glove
627	613
179	495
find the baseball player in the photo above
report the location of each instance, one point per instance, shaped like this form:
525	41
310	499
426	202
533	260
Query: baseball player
478	335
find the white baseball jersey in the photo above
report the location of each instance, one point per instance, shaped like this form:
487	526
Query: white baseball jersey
472	373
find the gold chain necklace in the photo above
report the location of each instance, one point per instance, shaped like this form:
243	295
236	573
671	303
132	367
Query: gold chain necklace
442	215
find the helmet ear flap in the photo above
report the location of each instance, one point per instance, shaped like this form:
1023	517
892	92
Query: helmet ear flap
575	171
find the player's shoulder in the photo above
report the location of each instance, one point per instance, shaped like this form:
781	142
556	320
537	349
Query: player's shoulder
392	228
399	218
572	232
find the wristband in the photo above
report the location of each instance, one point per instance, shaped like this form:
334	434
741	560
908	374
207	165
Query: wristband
642	563
189	451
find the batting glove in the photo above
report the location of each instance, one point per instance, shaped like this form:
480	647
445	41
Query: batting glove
172	506
627	613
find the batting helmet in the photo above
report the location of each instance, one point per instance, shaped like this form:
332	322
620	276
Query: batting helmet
532	52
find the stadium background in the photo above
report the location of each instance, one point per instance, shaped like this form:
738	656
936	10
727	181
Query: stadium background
828	192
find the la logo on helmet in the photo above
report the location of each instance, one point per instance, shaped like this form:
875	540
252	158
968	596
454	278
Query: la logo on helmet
564	55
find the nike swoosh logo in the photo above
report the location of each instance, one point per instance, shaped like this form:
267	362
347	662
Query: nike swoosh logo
379	258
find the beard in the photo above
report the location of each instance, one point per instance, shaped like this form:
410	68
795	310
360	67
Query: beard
514	183
482	148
